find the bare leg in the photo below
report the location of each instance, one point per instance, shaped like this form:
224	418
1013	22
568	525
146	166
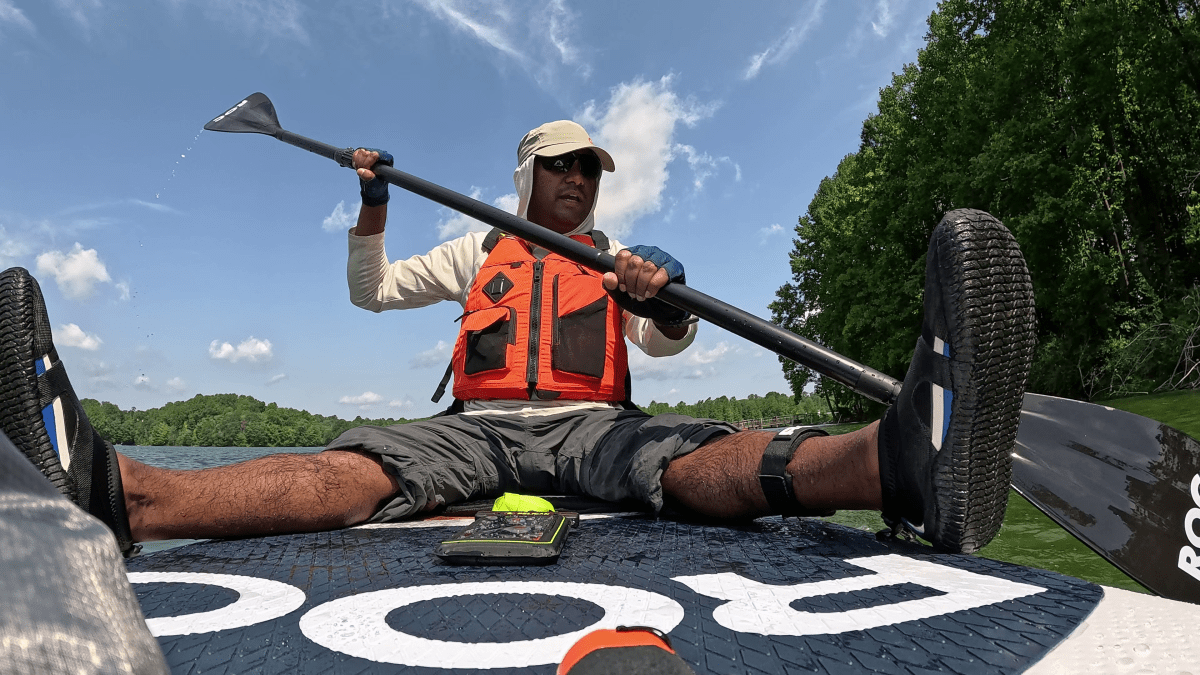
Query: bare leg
720	478
268	495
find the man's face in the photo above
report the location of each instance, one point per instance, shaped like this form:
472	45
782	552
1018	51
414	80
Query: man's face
561	200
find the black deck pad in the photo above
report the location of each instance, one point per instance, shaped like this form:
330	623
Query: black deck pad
772	596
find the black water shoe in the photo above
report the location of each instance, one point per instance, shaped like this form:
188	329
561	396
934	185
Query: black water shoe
945	445
41	415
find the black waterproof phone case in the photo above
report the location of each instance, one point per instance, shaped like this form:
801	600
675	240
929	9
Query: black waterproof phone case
509	538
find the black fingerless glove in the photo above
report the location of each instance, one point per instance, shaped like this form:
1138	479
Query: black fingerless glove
375	192
654	309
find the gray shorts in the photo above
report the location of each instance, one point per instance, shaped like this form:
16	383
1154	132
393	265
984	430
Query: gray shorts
613	455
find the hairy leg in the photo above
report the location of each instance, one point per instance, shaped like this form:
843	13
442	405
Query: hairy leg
269	495
720	478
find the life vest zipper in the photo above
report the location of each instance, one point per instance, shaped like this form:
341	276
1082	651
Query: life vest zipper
535	326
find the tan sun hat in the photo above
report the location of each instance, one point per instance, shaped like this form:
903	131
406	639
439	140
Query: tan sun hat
559	138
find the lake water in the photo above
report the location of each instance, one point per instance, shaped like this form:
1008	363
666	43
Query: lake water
1027	537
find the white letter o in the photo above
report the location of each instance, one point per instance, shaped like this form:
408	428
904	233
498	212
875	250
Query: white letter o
258	600
1189	526
355	625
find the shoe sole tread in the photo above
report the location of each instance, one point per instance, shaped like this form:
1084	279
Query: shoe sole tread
20	407
993	337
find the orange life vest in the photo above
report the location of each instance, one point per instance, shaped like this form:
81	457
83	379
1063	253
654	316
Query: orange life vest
538	326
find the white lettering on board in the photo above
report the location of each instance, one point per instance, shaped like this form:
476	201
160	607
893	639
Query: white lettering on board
1189	562
754	607
355	625
258	600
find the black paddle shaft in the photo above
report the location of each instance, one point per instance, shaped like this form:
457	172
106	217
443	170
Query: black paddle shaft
1059	423
859	378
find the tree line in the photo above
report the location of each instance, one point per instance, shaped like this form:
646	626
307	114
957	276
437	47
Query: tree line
232	420
220	420
1074	122
804	409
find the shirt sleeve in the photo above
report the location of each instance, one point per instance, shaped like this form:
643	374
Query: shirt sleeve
643	333
445	273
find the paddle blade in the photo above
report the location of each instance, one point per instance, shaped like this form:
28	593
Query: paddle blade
253	115
1125	485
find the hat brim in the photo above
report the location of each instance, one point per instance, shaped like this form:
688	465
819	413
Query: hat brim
556	149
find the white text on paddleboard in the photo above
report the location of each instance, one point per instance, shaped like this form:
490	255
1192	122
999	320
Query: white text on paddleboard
357	624
1189	561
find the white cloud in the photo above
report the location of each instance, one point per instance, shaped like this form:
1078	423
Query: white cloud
251	349
662	368
76	272
697	363
402	405
884	18
438	356
100	375
364	400
176	384
707	356
508	202
153	206
637	126
10	13
787	44
704	165
341	219
459	224
562	34
541	39
71	335
80	11
123	287
276	379
765	233
142	382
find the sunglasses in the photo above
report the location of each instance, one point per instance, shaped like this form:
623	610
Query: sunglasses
589	163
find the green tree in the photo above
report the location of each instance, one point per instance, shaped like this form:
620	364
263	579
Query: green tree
1075	123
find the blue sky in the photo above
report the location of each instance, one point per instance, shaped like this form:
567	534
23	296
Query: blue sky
176	262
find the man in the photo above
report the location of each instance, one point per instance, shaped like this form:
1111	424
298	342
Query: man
540	382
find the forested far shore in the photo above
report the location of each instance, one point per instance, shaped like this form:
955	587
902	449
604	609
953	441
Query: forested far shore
805	409
232	420
220	420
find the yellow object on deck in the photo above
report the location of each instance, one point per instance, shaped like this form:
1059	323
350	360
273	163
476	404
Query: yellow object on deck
510	501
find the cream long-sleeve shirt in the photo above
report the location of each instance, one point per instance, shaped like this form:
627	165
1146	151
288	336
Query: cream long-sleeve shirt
446	273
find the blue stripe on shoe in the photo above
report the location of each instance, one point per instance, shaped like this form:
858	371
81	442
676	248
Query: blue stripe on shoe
946	406
51	428
53	419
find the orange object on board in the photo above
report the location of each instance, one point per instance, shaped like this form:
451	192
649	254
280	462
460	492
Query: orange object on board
623	636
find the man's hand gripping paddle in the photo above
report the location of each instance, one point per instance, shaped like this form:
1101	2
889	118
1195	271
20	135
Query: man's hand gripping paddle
1126	486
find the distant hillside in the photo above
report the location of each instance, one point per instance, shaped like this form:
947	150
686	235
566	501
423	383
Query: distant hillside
220	420
225	420
807	409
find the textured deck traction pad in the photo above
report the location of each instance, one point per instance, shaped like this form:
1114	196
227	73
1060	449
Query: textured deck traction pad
774	596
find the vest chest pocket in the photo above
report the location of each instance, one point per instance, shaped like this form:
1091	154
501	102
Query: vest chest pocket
580	327
488	334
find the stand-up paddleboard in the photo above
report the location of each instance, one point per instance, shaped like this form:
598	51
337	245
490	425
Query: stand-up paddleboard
772	596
